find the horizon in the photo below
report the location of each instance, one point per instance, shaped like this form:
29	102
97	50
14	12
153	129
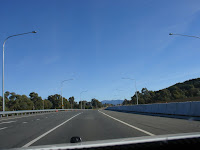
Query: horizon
113	99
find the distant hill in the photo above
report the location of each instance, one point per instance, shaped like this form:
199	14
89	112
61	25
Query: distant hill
179	92
114	102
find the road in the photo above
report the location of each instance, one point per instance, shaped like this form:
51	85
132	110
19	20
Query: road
90	125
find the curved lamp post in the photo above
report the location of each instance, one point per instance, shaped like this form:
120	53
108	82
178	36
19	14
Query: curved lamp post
135	88
80	97
61	90
3	64
184	35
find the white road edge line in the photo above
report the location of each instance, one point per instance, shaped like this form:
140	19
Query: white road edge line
146	132
3	128
41	136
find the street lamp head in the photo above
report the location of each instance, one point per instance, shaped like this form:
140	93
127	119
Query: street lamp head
34	31
170	33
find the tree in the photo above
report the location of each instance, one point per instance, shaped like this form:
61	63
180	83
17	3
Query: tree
95	103
71	101
126	102
88	105
12	96
165	95
12	100
75	105
6	94
1	102
56	100
66	103
37	100
22	102
146	96
47	104
144	91
177	93
193	92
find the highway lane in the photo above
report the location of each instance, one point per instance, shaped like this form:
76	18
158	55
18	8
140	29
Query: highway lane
94	125
23	130
90	125
156	124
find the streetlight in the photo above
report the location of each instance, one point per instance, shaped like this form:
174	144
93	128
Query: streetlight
3	64
184	35
80	97
61	90
135	87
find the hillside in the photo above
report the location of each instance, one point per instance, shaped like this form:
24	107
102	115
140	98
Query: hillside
185	91
114	102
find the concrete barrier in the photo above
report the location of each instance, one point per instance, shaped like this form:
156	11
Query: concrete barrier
180	108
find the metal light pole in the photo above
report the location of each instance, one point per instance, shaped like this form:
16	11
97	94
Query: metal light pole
43	104
184	35
61	90
135	87
80	97
3	64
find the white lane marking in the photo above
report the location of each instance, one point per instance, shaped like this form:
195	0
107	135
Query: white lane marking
25	116
37	119
7	122
3	128
41	136
24	122
146	132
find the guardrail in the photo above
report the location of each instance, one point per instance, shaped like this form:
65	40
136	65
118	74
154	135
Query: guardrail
180	108
27	112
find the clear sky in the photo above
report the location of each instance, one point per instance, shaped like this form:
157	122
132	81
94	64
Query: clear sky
97	42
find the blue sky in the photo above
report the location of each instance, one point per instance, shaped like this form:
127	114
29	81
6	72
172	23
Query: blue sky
97	42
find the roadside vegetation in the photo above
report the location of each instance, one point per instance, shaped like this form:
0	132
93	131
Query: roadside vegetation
180	92
15	102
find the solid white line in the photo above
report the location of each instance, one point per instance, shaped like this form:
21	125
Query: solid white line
41	136
3	128
7	122
146	132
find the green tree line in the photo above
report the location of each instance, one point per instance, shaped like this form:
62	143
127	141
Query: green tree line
15	102
177	92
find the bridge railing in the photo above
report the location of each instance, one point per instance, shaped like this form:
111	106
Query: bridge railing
176	108
27	112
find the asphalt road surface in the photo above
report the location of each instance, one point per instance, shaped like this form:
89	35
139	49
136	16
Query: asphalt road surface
90	125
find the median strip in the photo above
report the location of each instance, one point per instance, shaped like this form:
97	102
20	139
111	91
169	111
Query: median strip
146	132
41	136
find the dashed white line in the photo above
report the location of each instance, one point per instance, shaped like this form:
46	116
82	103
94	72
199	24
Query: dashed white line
37	119
146	132
3	128
41	136
24	122
7	122
23	116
